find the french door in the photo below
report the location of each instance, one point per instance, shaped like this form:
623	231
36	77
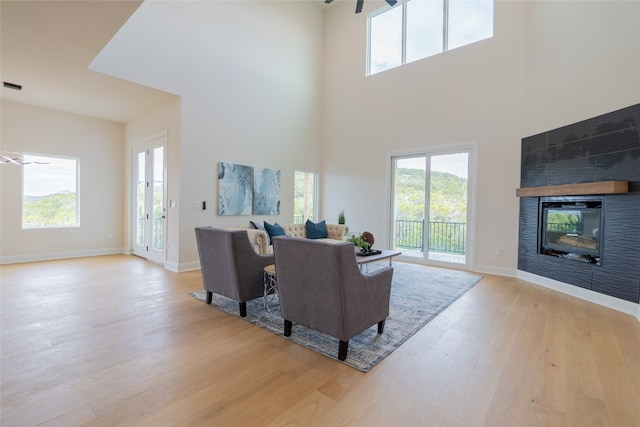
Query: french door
148	216
430	206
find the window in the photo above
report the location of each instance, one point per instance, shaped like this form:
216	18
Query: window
49	192
304	198
416	29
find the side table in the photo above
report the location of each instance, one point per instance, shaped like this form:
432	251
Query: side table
271	296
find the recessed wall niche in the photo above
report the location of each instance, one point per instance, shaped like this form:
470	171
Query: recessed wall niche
603	148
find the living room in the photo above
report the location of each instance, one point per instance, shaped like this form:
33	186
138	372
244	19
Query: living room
312	108
230	88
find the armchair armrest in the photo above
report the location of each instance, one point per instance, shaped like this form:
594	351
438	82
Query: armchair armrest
258	239
378	287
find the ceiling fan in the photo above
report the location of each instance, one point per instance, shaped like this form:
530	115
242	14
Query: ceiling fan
360	3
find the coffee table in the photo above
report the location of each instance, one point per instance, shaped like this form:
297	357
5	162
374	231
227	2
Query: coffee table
384	254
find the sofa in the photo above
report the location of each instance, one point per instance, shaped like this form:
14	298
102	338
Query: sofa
261	241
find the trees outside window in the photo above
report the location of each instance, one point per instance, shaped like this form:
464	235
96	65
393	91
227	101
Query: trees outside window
305	196
49	192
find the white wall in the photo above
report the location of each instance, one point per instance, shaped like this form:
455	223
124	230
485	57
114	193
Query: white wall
583	60
548	64
99	146
470	94
163	118
281	85
249	75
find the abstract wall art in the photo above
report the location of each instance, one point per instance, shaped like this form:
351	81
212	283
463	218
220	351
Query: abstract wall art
266	191
235	189
245	190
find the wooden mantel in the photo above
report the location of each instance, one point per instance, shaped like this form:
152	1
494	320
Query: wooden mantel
582	189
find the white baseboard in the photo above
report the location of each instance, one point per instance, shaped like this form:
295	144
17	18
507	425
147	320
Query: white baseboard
499	271
50	256
172	266
585	294
180	267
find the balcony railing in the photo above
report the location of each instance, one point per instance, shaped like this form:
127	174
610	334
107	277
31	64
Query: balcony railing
447	237
561	226
299	219
157	232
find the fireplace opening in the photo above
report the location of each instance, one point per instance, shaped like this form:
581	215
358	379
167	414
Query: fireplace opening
571	228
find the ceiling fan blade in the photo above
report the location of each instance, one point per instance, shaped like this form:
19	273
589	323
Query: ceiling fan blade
328	1
392	2
359	6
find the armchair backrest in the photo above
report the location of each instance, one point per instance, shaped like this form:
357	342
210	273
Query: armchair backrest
321	287
230	266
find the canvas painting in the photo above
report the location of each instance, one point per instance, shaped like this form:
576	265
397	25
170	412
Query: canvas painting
266	191
235	189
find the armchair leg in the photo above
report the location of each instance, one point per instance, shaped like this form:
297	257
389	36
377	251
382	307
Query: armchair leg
243	309
342	349
381	326
209	297
287	327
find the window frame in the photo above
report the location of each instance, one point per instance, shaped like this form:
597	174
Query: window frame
76	223
403	60
315	199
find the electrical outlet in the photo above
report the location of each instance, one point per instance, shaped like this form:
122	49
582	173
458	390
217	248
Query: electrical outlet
499	251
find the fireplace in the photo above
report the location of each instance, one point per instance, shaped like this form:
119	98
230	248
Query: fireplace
571	228
560	168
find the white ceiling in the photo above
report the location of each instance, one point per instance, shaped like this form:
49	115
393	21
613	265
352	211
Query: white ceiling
47	46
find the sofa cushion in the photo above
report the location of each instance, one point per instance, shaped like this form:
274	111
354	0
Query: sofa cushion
316	230
274	229
261	227
295	230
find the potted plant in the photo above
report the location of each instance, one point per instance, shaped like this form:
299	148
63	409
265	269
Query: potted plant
363	241
359	242
341	217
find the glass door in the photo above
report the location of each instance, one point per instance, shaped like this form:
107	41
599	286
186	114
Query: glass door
149	207
409	201
430	196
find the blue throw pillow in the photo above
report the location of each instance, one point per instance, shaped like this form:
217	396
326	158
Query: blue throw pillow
260	227
274	230
316	230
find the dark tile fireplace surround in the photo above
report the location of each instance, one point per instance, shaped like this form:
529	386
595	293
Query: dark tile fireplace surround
603	148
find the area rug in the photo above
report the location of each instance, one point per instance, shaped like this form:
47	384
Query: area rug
418	294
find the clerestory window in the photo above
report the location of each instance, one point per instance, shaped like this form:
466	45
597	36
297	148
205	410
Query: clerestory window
416	29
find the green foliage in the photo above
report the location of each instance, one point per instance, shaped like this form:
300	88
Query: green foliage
567	221
448	201
300	204
560	217
53	210
359	241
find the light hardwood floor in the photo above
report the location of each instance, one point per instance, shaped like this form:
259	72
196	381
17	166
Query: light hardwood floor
115	341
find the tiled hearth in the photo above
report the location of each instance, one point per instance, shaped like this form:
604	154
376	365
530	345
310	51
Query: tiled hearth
600	149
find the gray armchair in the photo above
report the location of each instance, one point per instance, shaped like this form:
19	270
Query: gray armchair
230	266
322	288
